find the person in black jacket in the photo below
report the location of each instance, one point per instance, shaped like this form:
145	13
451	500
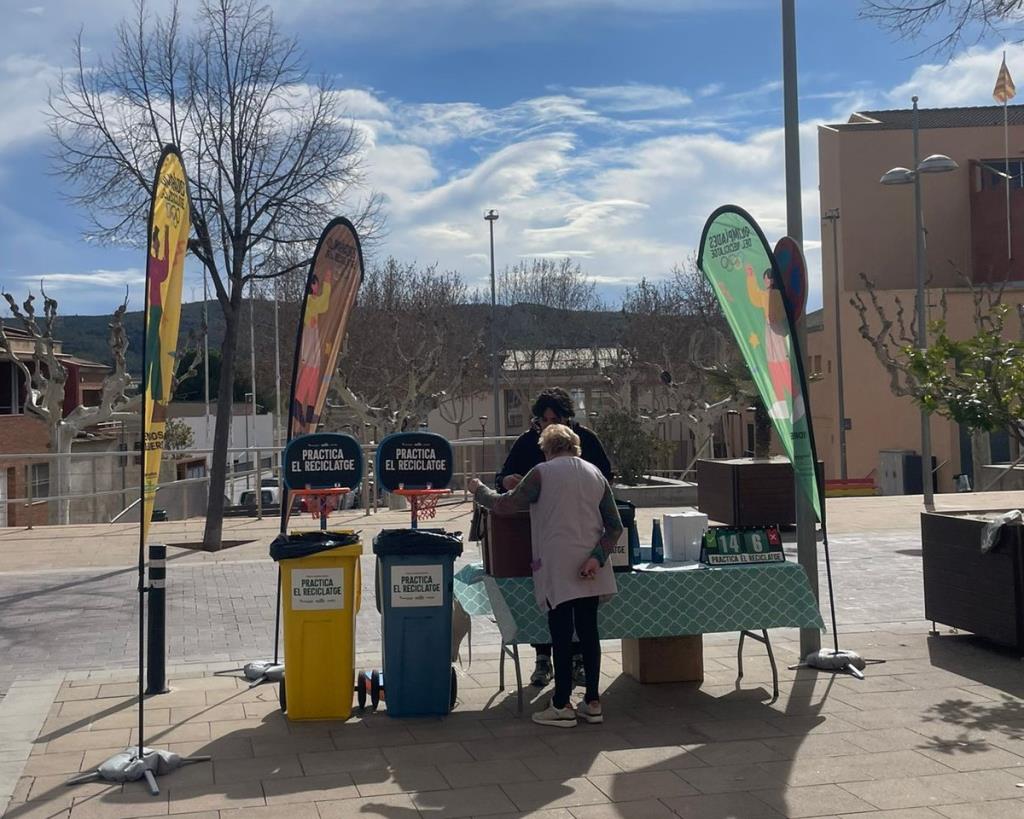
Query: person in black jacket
553	406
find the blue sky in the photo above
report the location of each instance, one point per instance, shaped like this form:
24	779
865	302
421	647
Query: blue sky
606	130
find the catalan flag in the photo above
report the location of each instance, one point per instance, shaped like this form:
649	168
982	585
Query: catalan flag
1005	90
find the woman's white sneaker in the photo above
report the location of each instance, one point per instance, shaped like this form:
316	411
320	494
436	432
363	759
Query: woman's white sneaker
557	717
590	712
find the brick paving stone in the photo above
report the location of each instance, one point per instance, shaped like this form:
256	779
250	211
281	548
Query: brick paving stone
631	787
815	800
640	809
722	806
407	779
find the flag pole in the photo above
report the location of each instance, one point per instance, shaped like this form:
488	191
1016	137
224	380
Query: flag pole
1006	158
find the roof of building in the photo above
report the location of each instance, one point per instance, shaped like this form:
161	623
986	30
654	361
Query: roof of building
816	320
901	119
566	358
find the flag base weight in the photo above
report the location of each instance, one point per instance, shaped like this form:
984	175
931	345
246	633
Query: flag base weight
128	766
836	660
257	673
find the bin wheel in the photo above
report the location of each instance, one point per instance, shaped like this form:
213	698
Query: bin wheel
455	690
374	689
361	690
282	695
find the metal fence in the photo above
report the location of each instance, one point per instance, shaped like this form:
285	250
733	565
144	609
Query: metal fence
104	486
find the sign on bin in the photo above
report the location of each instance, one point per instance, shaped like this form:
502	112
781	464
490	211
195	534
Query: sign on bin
323	460
318	589
414	460
417	586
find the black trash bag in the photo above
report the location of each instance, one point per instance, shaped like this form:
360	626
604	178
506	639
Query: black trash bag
417	542
304	544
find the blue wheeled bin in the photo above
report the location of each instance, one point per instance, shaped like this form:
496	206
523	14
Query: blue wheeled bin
414	597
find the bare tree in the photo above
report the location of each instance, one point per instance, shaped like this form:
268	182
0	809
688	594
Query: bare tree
46	376
406	353
682	352
545	299
270	156
975	382
967	19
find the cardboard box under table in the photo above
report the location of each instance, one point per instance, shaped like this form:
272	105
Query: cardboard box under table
749	599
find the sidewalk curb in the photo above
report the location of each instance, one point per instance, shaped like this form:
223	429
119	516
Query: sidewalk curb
23	712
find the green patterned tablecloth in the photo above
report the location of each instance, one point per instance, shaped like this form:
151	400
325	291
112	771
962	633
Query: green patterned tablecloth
657	604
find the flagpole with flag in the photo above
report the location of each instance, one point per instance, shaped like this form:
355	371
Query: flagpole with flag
1005	91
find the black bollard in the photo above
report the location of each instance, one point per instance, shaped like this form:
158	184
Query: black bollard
156	633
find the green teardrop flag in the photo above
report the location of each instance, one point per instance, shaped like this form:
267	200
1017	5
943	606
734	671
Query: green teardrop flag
740	266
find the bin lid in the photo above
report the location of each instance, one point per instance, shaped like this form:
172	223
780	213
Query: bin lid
304	544
417	542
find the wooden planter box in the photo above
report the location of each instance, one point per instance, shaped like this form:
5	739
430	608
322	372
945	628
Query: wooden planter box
965	589
748	491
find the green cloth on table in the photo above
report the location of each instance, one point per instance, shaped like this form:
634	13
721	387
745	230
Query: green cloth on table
662	604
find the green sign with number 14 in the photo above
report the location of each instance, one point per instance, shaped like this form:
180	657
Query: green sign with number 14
725	545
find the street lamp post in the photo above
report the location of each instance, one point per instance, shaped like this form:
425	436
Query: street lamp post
936	163
491	217
832	216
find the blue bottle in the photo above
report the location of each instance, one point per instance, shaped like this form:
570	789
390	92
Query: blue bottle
633	541
657	546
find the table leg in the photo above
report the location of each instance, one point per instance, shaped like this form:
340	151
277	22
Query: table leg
775	670
771	659
501	668
519	676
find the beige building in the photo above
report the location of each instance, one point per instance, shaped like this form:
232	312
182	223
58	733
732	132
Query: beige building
965	222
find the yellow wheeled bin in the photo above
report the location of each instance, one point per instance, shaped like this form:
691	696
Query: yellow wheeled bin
320	596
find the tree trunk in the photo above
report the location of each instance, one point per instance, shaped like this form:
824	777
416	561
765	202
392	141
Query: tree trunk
762	430
221	434
62	439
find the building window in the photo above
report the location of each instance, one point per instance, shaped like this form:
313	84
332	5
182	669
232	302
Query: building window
91	398
12	384
40	477
991	174
817	364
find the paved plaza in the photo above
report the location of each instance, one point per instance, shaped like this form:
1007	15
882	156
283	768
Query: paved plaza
937	730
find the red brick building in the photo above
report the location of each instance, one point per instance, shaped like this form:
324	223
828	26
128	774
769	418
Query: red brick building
23	434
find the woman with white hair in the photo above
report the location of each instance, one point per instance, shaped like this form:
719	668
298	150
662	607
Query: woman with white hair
574	524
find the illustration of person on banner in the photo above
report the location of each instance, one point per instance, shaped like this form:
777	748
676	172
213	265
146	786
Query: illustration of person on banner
309	373
157	269
768	299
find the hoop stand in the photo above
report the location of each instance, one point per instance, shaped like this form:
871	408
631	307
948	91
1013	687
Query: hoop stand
422	502
324	495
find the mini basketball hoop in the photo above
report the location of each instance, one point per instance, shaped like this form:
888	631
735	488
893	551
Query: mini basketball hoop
325	504
422	502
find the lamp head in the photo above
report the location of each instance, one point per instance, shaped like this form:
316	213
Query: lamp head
491	215
897	176
937	163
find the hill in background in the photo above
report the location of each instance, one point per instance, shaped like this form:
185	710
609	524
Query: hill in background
521	326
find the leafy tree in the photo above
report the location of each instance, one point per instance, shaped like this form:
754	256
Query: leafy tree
269	155
977	382
178	435
631	448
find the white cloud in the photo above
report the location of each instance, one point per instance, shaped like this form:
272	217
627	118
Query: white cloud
92	278
967	79
634	97
24	81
